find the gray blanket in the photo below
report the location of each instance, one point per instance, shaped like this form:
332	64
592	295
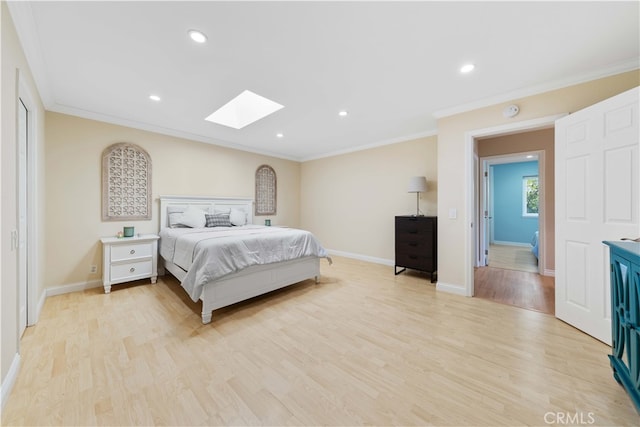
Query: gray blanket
208	254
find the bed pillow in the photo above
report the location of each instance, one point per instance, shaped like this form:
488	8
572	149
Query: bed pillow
237	217
217	220
193	217
174	220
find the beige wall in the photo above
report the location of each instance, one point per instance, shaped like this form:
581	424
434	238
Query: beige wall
179	167
13	71
453	234
349	201
538	140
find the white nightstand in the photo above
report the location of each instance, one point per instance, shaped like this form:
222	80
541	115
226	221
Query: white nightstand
129	258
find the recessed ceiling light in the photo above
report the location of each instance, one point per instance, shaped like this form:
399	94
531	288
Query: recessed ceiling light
154	98
197	36
467	68
243	110
279	135
343	113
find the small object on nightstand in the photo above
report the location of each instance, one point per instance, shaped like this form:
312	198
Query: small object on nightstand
125	260
119	234
267	222
128	231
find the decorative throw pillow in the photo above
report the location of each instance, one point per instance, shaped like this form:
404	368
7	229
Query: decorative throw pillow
217	220
237	217
193	217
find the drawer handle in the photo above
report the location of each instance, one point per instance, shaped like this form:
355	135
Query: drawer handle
132	269
133	251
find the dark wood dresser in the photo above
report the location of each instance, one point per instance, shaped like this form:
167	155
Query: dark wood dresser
417	244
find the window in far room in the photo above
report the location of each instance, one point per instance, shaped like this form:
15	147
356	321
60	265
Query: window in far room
530	196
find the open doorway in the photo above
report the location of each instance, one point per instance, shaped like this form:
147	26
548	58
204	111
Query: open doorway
510	211
515	218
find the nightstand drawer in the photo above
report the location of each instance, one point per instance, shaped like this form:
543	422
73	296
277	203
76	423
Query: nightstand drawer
130	251
130	270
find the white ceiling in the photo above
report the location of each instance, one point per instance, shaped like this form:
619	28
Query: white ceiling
391	65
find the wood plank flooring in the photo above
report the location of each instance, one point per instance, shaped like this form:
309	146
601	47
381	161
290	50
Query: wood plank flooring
513	258
518	288
363	347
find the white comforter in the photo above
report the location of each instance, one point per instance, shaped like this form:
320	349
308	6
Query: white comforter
208	254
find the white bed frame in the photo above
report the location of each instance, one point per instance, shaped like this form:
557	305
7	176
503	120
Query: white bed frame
245	284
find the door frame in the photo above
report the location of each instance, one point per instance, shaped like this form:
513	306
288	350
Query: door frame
24	94
471	180
486	197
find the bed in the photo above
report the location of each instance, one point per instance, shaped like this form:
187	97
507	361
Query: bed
230	263
534	244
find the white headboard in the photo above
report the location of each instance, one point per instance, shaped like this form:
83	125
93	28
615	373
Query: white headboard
206	203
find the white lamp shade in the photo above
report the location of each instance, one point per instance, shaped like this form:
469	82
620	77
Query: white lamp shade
417	184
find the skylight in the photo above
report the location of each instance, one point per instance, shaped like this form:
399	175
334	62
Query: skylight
243	110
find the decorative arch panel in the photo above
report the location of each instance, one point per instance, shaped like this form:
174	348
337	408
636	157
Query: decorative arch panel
266	190
126	183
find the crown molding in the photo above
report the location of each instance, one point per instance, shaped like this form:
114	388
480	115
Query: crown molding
618	68
397	140
91	115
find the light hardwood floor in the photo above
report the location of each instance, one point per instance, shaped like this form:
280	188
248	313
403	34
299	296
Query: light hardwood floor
519	288
363	347
513	258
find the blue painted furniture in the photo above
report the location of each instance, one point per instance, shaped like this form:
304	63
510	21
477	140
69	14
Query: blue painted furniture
625	316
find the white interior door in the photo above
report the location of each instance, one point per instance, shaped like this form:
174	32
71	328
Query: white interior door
23	135
597	198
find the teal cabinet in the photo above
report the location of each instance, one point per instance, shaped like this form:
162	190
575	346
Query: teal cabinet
625	316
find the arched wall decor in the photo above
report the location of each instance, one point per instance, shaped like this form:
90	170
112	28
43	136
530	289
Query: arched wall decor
266	190
126	183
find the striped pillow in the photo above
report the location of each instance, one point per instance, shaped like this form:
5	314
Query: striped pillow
217	220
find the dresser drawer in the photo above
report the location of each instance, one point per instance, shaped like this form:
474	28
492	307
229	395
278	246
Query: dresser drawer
416	247
418	262
131	270
413	226
130	251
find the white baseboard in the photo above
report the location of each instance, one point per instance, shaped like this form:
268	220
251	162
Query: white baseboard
43	298
73	287
9	380
524	245
452	289
444	287
367	258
